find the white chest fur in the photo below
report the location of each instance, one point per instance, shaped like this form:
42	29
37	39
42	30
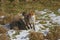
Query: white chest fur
32	19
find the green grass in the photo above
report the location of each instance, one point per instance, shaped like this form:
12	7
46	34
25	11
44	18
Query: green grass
26	6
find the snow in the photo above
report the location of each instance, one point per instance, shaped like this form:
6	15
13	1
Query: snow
45	31
24	33
38	26
47	10
40	12
22	36
58	10
56	19
2	16
52	14
11	32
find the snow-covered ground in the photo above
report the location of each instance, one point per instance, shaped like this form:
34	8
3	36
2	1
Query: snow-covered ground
23	35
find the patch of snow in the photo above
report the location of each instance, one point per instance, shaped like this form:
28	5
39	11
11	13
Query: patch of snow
47	23
2	16
11	32
56	19
22	36
36	22
45	31
52	14
40	12
58	10
38	27
47	10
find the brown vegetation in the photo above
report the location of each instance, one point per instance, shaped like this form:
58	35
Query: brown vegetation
3	30
54	33
36	36
3	35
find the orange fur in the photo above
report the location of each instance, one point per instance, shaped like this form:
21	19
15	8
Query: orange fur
31	13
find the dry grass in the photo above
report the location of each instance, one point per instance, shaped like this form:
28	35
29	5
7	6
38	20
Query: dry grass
7	19
3	35
36	36
54	33
3	30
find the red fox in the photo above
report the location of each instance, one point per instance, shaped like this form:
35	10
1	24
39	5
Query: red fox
29	19
32	19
